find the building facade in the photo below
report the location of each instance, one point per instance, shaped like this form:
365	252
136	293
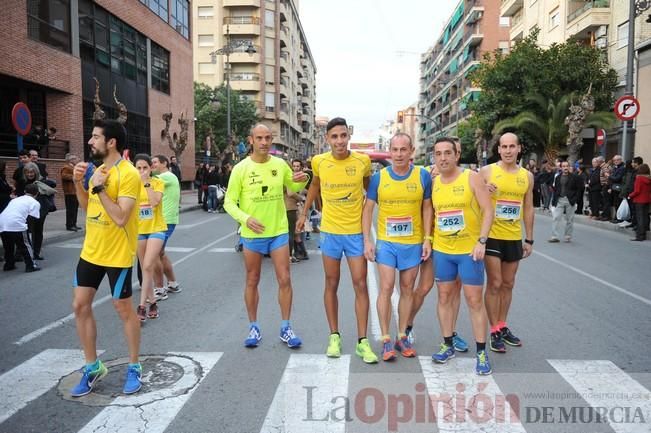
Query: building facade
474	28
53	50
279	78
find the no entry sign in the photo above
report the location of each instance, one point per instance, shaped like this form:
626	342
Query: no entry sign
601	137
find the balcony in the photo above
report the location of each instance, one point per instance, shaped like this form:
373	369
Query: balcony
510	7
240	55
246	81
284	61
473	37
238	3
475	12
517	27
247	25
588	18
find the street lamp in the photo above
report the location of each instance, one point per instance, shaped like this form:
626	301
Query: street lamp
227	50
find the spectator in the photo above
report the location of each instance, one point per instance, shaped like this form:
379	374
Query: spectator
13	229
46	198
567	188
174	167
198	182
641	197
533	168
594	187
546	180
616	183
212	179
583	175
226	174
33	156
52	133
606	200
72	204
5	188
18	177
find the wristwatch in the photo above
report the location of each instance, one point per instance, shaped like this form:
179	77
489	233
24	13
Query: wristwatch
97	189
147	185
482	240
528	241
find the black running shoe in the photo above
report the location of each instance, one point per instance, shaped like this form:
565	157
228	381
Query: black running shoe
497	345
509	338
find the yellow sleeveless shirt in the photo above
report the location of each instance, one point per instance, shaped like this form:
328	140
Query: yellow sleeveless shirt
400	217
508	202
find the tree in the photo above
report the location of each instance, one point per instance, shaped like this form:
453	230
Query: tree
210	106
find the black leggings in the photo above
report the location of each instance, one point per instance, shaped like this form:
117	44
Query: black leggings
36	229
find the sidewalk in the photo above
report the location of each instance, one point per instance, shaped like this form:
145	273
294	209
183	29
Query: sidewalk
585	220
55	223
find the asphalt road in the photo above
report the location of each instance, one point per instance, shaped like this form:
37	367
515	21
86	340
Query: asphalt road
582	310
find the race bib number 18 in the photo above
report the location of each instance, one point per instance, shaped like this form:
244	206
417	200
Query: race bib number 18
146	212
399	227
450	221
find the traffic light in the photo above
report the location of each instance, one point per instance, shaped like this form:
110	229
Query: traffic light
401	116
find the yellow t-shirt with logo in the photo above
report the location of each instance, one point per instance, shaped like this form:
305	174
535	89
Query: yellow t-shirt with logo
105	243
151	218
457	215
342	191
508	202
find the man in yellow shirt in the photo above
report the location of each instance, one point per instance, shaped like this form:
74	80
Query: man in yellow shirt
340	178
109	249
512	194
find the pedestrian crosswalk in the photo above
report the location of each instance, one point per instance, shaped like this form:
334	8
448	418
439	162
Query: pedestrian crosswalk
320	394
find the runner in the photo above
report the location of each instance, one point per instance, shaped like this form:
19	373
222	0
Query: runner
256	184
404	236
463	219
109	249
512	195
340	177
151	234
426	283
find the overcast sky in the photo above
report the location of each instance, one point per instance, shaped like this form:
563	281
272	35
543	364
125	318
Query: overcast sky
367	55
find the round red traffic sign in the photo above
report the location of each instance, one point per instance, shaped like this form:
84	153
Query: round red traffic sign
601	137
627	108
21	118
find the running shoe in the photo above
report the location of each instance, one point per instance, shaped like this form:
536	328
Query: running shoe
153	311
172	289
334	346
141	312
89	379
287	336
254	337
459	343
483	367
133	382
403	346
444	354
509	338
364	351
497	345
388	354
160	293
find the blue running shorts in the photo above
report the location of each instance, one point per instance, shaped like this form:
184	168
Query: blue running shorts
265	245
335	246
399	256
448	266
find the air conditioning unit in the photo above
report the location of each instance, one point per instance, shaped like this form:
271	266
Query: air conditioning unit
601	31
601	43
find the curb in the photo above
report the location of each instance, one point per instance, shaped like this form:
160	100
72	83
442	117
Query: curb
586	221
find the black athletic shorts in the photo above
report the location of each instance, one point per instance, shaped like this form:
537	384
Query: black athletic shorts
90	275
507	251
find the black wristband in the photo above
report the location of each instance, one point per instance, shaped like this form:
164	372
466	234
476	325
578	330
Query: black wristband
97	189
529	241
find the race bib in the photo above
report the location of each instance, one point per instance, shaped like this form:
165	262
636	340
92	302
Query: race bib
399	227
450	221
507	210
146	212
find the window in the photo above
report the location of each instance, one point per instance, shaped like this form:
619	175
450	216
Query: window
505	22
269	19
180	19
205	12
206	40
159	7
125	45
622	35
206	68
554	18
160	68
503	46
48	21
269	72
270	48
270	101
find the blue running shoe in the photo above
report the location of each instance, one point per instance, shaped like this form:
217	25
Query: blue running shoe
497	344
287	336
133	382
254	337
483	367
89	379
459	343
445	352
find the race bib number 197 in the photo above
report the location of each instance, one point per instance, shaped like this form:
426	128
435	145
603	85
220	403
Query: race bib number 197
399	227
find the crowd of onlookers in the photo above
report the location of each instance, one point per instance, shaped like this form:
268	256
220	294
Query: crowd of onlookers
605	185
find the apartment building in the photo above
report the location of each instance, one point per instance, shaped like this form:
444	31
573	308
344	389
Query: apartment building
474	28
279	77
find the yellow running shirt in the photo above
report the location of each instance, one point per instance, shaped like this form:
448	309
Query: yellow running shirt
151	219
105	243
457	218
400	200
342	191
508	202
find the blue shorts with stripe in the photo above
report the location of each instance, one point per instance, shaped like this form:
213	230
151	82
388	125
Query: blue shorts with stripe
335	245
396	255
265	245
157	235
448	266
168	233
90	275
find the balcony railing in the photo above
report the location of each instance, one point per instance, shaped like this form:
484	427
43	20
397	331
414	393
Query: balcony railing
588	5
245	76
54	149
242	20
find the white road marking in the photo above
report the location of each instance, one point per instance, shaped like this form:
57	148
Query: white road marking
167	249
152	412
603	385
232	250
55	324
460	398
204	221
35	377
373	294
303	397
597	279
